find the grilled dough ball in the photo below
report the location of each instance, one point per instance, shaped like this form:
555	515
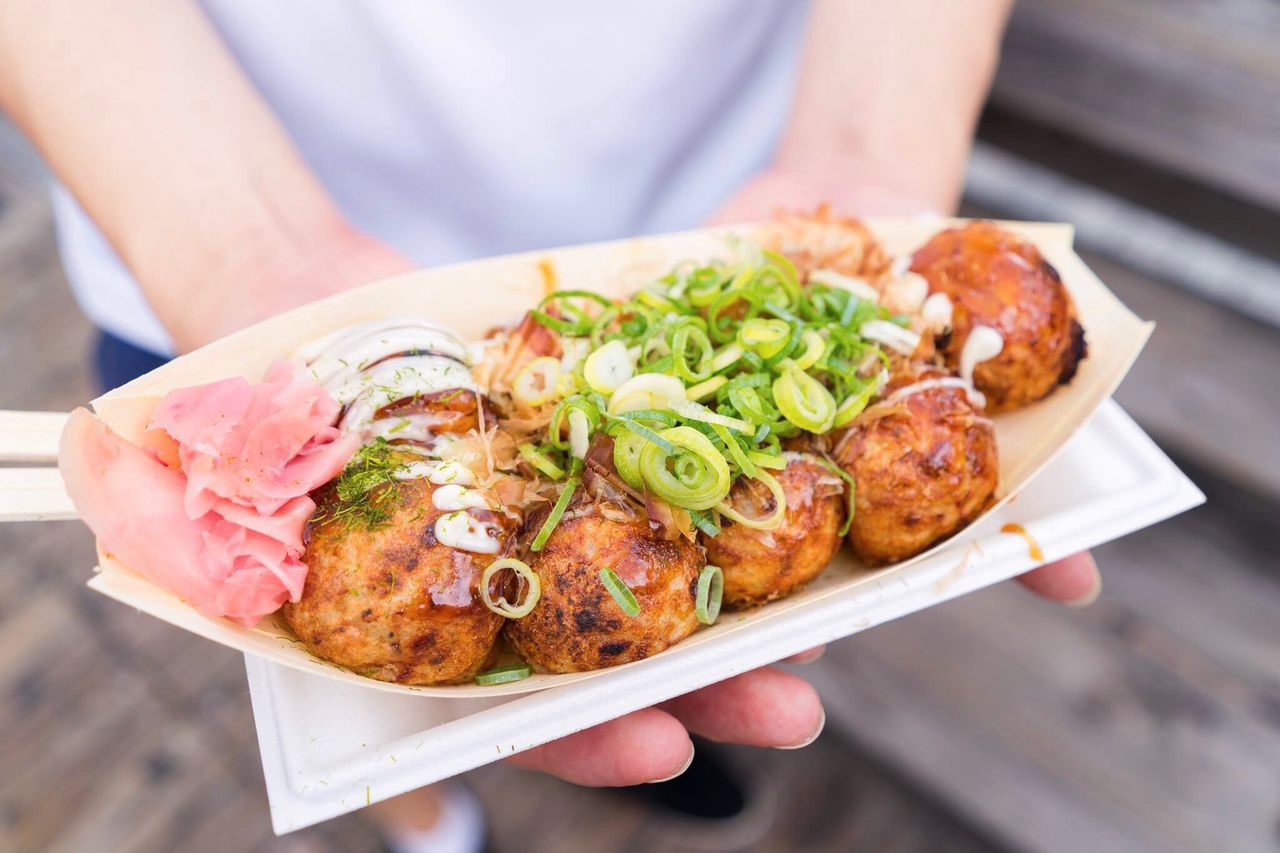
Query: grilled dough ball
761	565
576	625
925	466
394	603
821	240
997	279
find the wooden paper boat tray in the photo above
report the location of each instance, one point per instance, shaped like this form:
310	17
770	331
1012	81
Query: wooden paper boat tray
471	298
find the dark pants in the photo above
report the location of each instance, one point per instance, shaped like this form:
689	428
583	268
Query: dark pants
116	362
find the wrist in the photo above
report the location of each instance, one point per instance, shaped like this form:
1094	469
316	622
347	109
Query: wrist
850	192
263	274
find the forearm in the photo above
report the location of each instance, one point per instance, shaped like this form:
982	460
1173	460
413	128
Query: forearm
140	110
888	95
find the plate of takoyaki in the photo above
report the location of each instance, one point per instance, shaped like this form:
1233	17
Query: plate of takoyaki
510	474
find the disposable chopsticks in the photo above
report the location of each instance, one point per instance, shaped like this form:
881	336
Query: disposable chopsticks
32	493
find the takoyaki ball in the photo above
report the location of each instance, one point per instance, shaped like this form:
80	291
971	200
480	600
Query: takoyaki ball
924	464
577	625
822	240
393	602
761	565
996	279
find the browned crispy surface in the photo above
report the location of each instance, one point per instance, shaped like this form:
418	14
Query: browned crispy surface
996	279
393	603
925	466
761	565
577	625
454	411
822	240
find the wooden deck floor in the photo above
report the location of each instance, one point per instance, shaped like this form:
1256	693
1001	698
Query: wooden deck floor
1149	722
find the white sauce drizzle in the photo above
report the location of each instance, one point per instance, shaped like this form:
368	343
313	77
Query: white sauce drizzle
441	473
455	496
906	294
465	532
858	287
412	427
348	337
983	343
893	336
936	312
366	368
335	368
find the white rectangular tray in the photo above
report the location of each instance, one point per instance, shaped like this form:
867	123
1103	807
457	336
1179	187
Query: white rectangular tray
329	748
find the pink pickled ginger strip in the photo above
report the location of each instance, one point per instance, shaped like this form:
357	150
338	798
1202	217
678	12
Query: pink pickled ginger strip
225	533
257	445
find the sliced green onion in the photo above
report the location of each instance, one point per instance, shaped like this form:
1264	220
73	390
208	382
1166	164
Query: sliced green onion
620	591
635	425
703	286
804	401
646	391
736	452
532	588
769	522
767	460
720	315
726	357
751	405
850	493
853	405
694	476
710	594
562	503
703	390
561	417
814	348
576	321
626	457
537	381
766	337
540	461
656	300
608	367
504	674
698	412
646	416
704	521
691	336
579	433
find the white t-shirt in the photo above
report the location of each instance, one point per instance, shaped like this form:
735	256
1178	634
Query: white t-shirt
464	129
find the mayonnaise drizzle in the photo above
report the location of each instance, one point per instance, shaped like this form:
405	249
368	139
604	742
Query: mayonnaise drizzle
347	338
858	287
439	472
465	532
982	344
891	335
370	366
906	294
336	368
397	379
455	496
936	312
365	368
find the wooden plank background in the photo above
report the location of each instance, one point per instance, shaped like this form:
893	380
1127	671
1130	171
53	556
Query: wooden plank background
1191	84
1150	721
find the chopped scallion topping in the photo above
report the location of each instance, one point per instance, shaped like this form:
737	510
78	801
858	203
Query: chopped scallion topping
620	591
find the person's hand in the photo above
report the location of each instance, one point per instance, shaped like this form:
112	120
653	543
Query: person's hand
766	707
